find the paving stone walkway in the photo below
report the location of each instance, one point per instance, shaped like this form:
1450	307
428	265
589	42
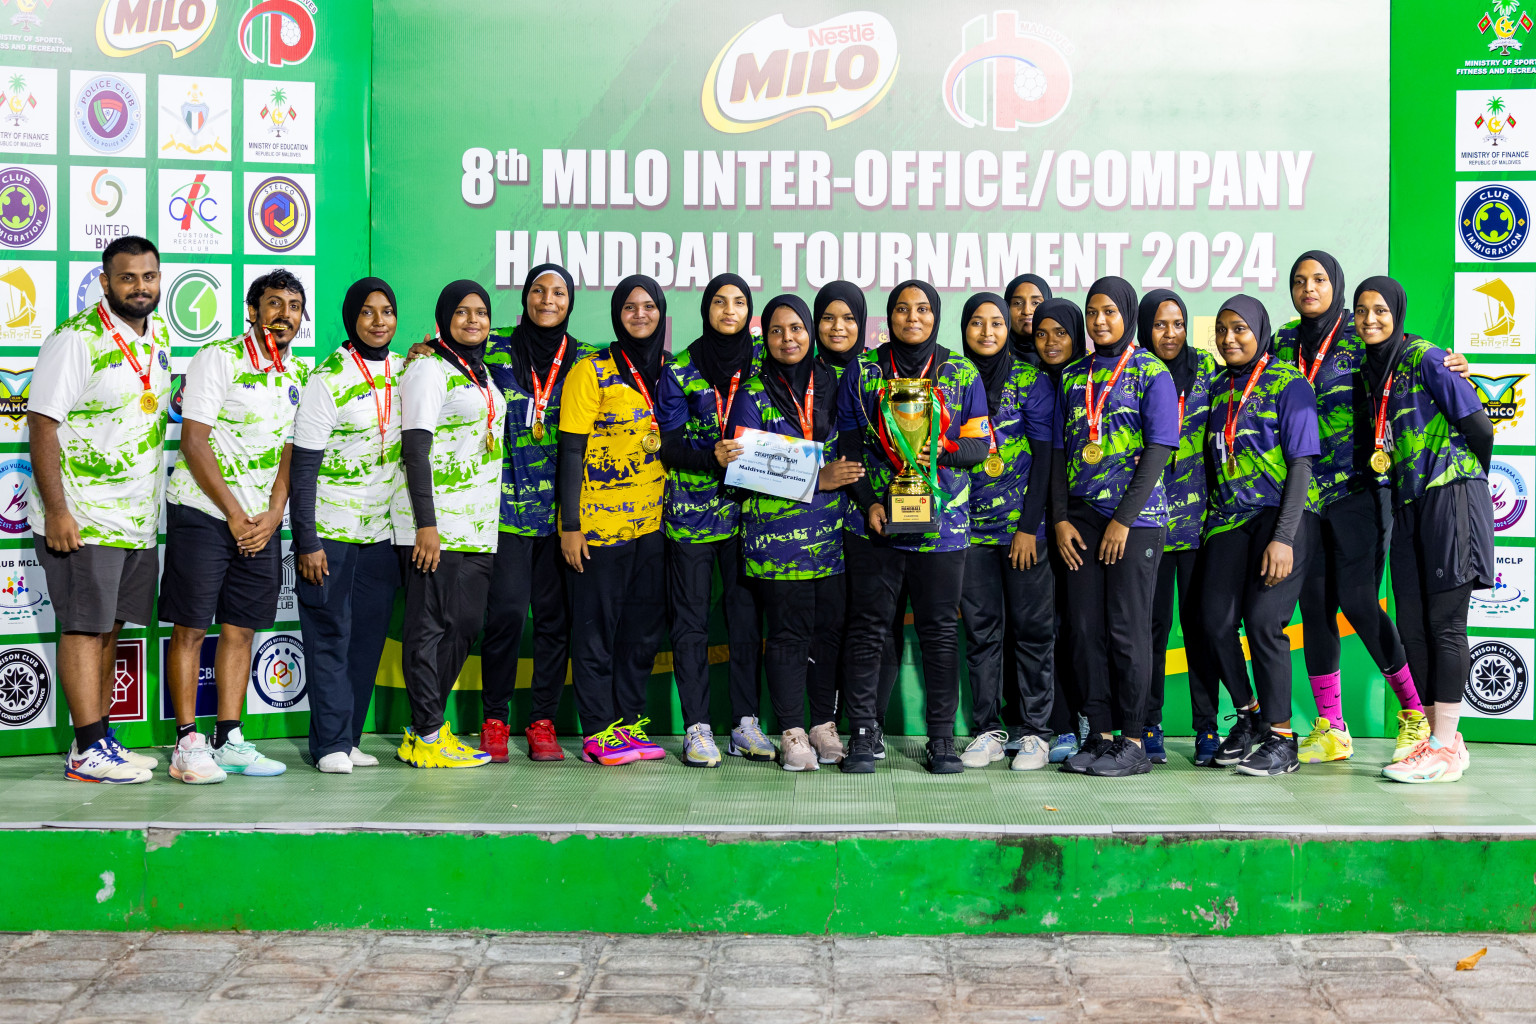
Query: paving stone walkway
463	978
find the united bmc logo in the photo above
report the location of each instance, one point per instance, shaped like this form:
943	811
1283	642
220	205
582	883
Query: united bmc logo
278	32
839	68
1013	74
126	27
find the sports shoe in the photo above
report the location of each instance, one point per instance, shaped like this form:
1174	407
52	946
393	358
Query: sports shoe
407	745
1152	745
1121	758
493	739
942	759
1277	755
1325	743
1206	745
699	748
444	752
335	763
1083	728
446	737
238	757
133	757
827	744
1064	747
542	744
861	756
1246	734
1412	727
1426	764
795	751
102	763
610	747
985	749
1032	754
749	741
1462	753
192	762
1016	736
648	748
1089	752
879	747
361	760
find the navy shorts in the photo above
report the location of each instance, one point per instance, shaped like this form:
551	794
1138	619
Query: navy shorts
1444	540
208	580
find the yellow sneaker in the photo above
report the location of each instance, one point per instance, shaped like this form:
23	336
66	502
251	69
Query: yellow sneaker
448	738
444	752
1412	727
407	746
1325	743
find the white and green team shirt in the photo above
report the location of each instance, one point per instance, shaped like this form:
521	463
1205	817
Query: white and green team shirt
360	496
109	446
232	386
466	478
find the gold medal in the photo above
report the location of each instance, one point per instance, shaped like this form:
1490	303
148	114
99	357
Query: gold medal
490	442
650	443
148	402
1093	453
993	465
1232	468
538	430
1380	461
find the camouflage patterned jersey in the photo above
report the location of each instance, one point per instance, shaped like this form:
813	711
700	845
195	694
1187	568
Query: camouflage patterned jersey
622	482
1184	479
1343	412
466	476
1025	410
1426	399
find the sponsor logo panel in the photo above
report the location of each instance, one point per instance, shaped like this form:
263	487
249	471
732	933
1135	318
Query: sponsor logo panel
106	113
279	122
1495	313
127	27
1508	605
1499	685
27	692
197	213
194	121
15	496
28	212
279	214
207	692
277	32
26	301
278	680
15	382
105	203
25	607
1505	391
129	700
1509	482
197	303
1495	129
1009	74
29	110
305	339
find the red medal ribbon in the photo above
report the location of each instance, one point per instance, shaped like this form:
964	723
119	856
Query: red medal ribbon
1096	413
1181	411
807	415
1322	352
541	397
485	392
271	346
992	450
926	366
723	410
1231	428
1381	413
382	412
645	392
126	349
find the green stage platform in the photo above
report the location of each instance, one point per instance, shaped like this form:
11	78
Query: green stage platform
658	846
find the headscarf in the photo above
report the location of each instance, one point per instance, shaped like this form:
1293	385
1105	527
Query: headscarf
718	356
645	353
447	301
1120	292
1381	358
838	291
994	369
910	359
786	384
1311	331
352	306
1186	364
534	347
1066	313
1257	318
1023	345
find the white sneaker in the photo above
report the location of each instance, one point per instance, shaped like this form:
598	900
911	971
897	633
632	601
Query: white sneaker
795	753
985	749
238	757
827	744
1033	753
101	763
133	757
192	762
360	759
335	763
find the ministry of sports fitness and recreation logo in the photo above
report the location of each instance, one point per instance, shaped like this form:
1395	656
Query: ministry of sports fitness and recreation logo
1013	74
126	27
25	207
1503	398
278	214
15	483
14	386
108	114
1501	19
1493	222
1510	495
278	32
24	687
839	68
277	671
192	302
1499	678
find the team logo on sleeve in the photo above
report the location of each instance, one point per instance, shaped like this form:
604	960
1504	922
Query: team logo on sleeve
293	394
1498	680
279	214
1494	222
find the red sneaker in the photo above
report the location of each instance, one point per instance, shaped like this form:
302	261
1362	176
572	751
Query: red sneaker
542	745
493	740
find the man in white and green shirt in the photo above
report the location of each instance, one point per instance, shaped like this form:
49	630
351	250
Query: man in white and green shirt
224	514
96	413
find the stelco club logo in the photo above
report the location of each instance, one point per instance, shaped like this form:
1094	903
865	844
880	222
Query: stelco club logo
278	32
279	214
126	27
277	671
1013	76
1493	222
1498	680
839	68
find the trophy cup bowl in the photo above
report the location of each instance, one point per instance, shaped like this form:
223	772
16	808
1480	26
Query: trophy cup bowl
909	505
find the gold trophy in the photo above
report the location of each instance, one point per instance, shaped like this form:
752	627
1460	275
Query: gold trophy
909	507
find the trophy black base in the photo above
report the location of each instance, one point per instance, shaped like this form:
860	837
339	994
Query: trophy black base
910	513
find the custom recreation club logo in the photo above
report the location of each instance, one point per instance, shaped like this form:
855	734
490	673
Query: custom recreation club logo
1501	19
108	114
278	32
1493	222
15	485
25	208
279	214
1511	495
126	27
1499	681
192	305
1503	397
1009	75
840	68
277	674
192	211
25	688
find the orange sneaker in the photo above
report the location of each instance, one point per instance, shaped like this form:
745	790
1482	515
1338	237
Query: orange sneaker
1427	764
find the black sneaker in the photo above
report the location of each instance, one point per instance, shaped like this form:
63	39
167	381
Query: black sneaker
879	747
1120	758
1245	735
1275	756
1086	754
1015	740
942	759
860	759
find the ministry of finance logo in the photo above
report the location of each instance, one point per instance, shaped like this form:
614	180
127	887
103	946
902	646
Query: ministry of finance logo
24	687
279	214
192	305
1014	74
108	114
1498	680
1493	222
277	672
25	207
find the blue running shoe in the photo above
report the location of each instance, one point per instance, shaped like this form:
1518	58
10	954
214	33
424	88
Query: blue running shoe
1206	745
1064	747
1152	744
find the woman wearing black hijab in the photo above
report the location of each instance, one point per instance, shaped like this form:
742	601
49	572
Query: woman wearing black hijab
611	482
453	420
1116	426
702	522
1025	293
930	565
346	479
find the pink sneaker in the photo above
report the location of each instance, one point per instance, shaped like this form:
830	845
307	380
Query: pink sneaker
1426	764
648	749
1461	753
609	747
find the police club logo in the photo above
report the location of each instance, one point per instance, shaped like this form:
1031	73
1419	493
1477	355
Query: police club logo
108	114
1499	678
1493	222
24	687
279	214
277	672
25	207
1009	75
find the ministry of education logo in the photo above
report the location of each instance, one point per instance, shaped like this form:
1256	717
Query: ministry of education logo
24	687
192	302
108	114
1498	680
25	207
277	671
1494	222
279	214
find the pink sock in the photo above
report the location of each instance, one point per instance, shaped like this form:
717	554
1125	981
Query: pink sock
1402	685
1330	698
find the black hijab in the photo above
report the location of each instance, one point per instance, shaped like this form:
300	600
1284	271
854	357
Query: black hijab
786	384
718	356
910	359
994	369
352	305
1120	292
1065	313
447	301
534	347
838	291
1381	358
1023	345
645	353
1312	330
1186	364
1257	318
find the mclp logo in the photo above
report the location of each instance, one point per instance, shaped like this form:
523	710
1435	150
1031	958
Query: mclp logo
278	32
771	70
125	27
1015	74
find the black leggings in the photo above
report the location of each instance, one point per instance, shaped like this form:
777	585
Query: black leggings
1346	575
805	637
1184	568
1434	628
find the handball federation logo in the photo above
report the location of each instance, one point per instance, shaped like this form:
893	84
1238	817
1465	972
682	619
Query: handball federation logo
25	208
108	114
1494	222
277	671
1014	76
1498	680
279	214
23	687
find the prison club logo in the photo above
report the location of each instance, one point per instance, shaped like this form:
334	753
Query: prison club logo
1009	75
277	671
1503	398
1508	489
25	208
839	68
1493	222
193	304
126	27
278	32
1501	19
24	685
108	114
279	214
1498	680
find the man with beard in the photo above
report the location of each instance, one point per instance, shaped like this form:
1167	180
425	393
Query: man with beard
96	411
224	514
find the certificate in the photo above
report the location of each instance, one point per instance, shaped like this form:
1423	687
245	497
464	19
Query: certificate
776	464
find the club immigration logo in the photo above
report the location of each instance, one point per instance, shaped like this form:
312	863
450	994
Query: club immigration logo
193	303
279	214
1503	398
128	689
25	208
1014	74
191	128
25	687
1504	26
840	68
1499	678
278	32
127	27
277	673
1493	222
1510	495
108	114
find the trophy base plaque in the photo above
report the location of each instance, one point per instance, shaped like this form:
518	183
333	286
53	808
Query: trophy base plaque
910	513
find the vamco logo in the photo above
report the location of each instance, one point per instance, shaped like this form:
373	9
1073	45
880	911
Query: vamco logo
1013	75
